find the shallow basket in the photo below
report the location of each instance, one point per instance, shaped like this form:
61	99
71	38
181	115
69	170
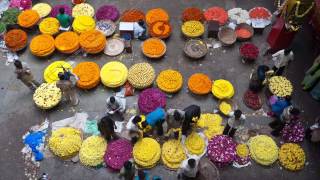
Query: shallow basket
227	36
192	48
247	27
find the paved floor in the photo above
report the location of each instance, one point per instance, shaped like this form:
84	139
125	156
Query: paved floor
18	113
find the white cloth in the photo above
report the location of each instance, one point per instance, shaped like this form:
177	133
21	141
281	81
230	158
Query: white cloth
77	121
236	123
280	60
186	170
130	126
137	30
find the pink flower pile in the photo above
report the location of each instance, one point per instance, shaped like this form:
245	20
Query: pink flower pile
107	12
118	152
150	99
293	132
249	51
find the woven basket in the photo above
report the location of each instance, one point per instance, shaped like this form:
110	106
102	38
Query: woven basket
227	36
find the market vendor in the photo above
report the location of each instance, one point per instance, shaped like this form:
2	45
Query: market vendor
313	132
155	119
64	20
24	74
106	126
133	127
139	30
236	120
281	60
68	87
191	115
257	77
189	167
115	105
128	170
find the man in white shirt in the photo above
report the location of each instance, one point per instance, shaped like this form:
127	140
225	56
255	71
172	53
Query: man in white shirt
134	131
234	122
115	105
189	167
281	60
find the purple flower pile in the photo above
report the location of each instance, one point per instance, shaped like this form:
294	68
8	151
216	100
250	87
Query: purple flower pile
55	10
293	132
242	161
118	152
150	99
107	12
222	150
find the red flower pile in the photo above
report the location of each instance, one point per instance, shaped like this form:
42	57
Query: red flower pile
260	13
249	51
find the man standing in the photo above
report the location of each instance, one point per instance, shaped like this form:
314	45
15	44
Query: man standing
67	88
281	60
64	20
25	75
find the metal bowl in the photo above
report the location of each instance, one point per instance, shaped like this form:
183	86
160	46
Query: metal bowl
227	36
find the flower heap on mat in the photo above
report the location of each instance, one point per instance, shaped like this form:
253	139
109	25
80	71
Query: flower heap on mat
118	152
216	14
107	12
67	42
222	89
242	154
25	4
192	29
65	142
160	29
47	96
195	144
221	150
141	75
49	26
150	99
83	9
173	154
28	18
238	15
199	84
263	149
42	45
153	48
225	107
10	16
55	10
51	72
249	51
252	100
293	132
88	74
92	41
16	39
132	15
292	156
170	81
211	123
114	74
280	86
192	14
83	23
43	9
157	14
92	151
146	152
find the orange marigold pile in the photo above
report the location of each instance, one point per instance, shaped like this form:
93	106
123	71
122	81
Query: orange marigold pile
67	42
88	73
28	18
92	41
200	84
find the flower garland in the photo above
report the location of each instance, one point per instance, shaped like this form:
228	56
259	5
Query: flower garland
170	81
252	100
43	9
192	29
51	72
118	152
160	29
216	14
150	99
195	144
28	18
49	26
293	132
92	151
47	96
192	14
146	152
157	14
153	48
222	89
225	107
92	41
107	12
16	39
238	15
221	150
173	154
42	45
83	9
199	84
141	75
114	74
263	149
132	15
292	156
280	86
212	123
83	23
55	10
249	51
67	42
65	142
88	74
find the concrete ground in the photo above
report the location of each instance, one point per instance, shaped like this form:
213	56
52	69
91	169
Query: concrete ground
18	112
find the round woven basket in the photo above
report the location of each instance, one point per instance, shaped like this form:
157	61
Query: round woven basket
195	48
247	27
114	47
227	36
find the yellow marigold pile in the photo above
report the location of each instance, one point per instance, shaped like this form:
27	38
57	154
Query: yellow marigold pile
47	96
263	149
195	144
173	154
51	72
43	9
146	152
114	74
83	9
92	41
141	75
192	29
292	156
170	81
211	123
83	23
222	89
280	86
92	151
65	142
242	150
225	107
49	26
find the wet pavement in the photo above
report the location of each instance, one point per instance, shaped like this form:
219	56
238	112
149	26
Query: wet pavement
18	112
